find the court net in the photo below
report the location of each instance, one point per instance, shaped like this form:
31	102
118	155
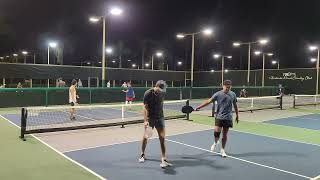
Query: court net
259	103
305	100
250	104
51	119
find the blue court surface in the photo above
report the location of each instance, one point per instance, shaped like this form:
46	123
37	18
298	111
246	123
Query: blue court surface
250	157
311	121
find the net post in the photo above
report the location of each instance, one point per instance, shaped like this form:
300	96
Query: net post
251	102
188	114
23	124
294	101
122	115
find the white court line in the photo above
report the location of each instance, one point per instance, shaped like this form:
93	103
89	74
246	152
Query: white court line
60	153
273	137
125	142
243	160
316	178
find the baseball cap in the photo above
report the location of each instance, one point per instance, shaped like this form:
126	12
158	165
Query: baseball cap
162	85
227	83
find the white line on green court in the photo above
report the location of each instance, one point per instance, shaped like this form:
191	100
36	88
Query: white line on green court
316	178
243	160
60	153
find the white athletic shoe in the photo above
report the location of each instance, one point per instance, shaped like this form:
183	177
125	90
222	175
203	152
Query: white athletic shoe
165	164
223	153
213	147
142	158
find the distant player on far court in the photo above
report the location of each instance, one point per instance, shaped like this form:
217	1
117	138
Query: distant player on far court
154	118
129	95
73	98
223	121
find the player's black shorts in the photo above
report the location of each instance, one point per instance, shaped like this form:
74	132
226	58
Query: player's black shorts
224	123
157	123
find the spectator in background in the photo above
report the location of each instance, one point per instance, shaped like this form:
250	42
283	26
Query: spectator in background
80	83
19	85
108	84
243	93
130	96
280	90
124	85
61	83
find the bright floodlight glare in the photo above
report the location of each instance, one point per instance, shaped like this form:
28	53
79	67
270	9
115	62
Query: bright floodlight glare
134	65
113	61
270	54
312	48
109	50
179	63
229	57
116	11
15	55
94	19
180	36
1	57
147	65
274	62
216	56
53	44
159	54
313	59
236	44
211	70
257	52
88	63
24	52
207	31
99	62
129	60
7	56
226	70
263	41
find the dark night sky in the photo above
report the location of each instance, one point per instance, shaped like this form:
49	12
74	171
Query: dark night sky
290	25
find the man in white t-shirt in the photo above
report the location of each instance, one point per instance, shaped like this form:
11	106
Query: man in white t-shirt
73	98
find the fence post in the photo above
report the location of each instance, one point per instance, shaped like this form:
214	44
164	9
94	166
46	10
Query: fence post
90	96
46	97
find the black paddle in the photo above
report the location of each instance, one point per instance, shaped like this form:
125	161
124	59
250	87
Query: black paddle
187	109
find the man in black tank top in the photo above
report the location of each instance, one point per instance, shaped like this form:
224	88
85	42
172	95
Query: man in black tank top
154	118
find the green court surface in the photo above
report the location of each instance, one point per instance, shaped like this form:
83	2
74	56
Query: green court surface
33	160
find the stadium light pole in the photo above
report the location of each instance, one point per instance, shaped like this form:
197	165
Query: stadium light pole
96	19
50	45
263	63
25	53
237	44
313	48
206	32
16	57
158	54
276	62
217	56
